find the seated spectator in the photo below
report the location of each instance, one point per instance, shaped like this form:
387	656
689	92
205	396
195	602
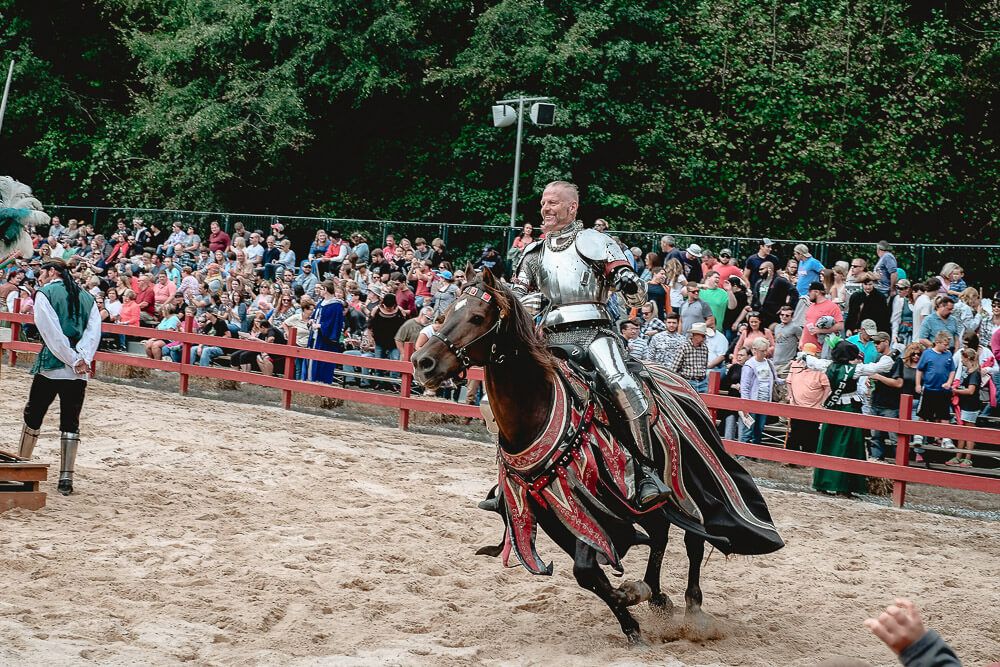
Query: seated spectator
299	320
168	322
163	289
212	325
130	313
262	362
445	292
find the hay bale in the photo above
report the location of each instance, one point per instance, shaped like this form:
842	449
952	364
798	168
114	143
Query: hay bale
879	486
123	371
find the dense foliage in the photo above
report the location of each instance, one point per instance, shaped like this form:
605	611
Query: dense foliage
819	118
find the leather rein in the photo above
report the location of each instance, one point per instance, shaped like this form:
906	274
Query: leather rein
461	353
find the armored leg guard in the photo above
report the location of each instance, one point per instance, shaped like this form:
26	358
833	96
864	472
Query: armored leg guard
29	436
649	488
69	443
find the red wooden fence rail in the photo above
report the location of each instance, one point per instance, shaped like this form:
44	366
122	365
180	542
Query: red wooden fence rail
901	473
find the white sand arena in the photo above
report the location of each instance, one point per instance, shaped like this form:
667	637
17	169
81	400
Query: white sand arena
203	533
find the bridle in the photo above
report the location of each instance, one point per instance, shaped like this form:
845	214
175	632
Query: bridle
461	353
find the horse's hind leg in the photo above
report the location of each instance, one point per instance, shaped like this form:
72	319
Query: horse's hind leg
696	552
658	531
590	576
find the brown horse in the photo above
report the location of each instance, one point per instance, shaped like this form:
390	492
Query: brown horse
487	326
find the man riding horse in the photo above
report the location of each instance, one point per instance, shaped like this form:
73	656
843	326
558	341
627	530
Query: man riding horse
575	269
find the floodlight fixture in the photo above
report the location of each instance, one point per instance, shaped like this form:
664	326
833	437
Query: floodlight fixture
504	115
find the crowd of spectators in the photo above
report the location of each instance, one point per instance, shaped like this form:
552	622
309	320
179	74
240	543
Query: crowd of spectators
339	294
748	320
754	321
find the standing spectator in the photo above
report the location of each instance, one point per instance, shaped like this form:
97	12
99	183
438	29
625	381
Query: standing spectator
730	386
969	311
885	398
649	320
868	304
718	348
757	382
657	292
935	373
636	344
708	262
751	268
864	340
390	248
674	282
664	345
770	293
754	330
327	326
901	313
809	269
694	310
691	360
217	239
405	298
852	283
736	315
299	320
791	271
718	296
445	292
692	262
843	441
524	239
924	304
725	266
651	266
885	269
940	321
384	324
786	340
953	280
819	306
807	388
969	403
669	250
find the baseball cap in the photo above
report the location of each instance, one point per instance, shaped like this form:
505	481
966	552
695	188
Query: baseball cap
810	348
280	227
817	286
725	252
870	327
903	283
766	241
880	336
445	274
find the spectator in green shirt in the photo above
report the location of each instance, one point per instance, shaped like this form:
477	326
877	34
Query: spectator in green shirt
717	298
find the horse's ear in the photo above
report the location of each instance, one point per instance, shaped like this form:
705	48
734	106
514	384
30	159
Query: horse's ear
470	271
488	278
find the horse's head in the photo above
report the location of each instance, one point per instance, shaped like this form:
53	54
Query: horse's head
468	336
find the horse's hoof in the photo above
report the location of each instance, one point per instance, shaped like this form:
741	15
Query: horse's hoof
635	592
636	640
661	603
700	626
65	487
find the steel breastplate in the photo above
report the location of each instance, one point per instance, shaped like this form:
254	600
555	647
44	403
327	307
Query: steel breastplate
576	290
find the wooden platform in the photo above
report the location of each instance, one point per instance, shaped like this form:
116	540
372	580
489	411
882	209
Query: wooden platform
19	483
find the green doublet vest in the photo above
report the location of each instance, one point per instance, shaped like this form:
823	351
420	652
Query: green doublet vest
72	327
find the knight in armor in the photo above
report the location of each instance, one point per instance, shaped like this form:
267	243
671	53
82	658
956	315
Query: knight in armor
70	326
575	270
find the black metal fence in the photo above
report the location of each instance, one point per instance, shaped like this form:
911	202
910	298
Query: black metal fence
466	242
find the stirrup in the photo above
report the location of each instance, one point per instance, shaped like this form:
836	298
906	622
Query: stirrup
651	490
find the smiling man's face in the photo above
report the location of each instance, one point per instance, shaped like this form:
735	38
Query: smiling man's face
559	206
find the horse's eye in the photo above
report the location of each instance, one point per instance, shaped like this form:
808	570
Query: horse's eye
477	319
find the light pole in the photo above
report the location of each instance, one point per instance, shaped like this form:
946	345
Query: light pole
542	114
6	92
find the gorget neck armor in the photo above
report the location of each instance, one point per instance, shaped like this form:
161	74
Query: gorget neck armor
562	239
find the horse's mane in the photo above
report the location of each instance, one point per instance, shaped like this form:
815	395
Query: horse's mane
518	325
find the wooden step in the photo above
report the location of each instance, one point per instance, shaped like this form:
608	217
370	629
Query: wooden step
19	483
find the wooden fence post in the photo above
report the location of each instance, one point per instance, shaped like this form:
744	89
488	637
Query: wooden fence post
186	354
714	382
15	331
902	449
286	399
405	384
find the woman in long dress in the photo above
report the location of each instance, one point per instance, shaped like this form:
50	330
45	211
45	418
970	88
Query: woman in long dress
327	323
847	442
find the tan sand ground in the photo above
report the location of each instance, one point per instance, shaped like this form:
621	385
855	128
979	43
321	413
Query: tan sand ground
220	534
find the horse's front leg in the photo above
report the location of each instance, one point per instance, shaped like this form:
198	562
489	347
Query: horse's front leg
590	576
696	552
658	533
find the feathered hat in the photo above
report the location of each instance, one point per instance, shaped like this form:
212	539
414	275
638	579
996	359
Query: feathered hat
19	210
